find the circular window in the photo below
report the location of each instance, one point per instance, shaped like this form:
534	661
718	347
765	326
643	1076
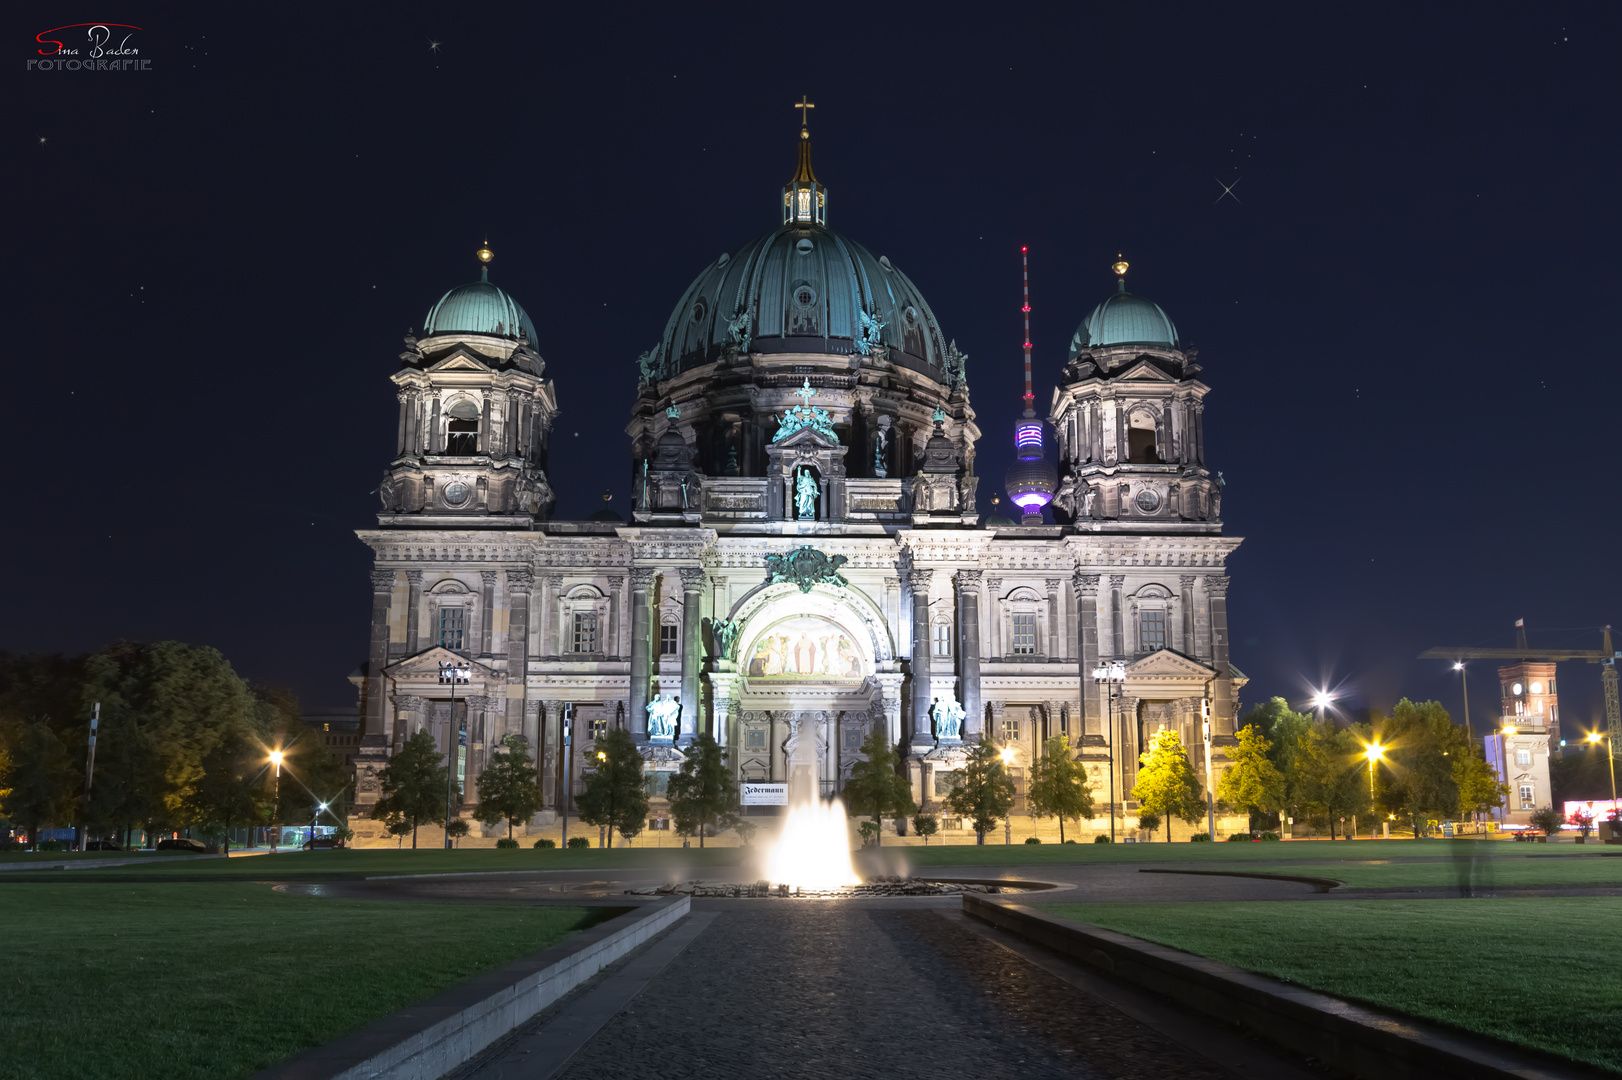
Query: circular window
805	246
457	493
912	316
805	295
1537	688
1516	689
1148	500
699	311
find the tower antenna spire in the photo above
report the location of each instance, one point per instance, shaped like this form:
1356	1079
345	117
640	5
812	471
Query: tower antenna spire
1025	267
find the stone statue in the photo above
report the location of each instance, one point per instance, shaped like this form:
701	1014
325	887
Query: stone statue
738	332
954	365
664	717
871	339
805	495
1085	496
651	364
948	716
726	636
389	492
881	443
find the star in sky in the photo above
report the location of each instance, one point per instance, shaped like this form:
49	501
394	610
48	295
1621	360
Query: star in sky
1227	189
433	46
42	140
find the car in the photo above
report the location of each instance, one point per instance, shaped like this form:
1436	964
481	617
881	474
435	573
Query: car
324	842
104	845
181	843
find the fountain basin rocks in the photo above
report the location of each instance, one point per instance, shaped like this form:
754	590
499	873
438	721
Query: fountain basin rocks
878	886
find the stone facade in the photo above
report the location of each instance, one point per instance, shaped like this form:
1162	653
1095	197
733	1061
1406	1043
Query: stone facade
804	561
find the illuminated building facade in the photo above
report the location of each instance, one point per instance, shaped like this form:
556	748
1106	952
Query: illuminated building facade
804	561
1528	736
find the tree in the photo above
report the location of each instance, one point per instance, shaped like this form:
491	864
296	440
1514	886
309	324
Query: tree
1422	740
231	790
41	781
1287	731
875	787
615	794
1149	821
986	791
413	785
1252	783
1166	783
311	776
1478	786
1329	774
1548	819
703	794
1059	786
509	787
458	829
927	825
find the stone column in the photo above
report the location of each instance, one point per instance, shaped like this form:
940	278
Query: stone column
968	621
1086	587
920	736
432	441
723	704
486	428
641	580
549	719
405	712
518	586
1117	617
997	710
1056	638
1186	582
994	617
616	597
413	612
487	612
405	411
376	726
719	607
890	702
1216	591
551	595
692	651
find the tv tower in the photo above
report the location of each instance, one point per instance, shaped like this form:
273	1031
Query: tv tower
1031	480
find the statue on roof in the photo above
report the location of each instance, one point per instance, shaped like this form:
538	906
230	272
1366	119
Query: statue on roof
806	491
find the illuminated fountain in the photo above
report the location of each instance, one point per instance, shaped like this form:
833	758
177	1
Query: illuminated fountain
813	850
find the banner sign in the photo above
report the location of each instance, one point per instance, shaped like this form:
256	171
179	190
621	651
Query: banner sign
765	794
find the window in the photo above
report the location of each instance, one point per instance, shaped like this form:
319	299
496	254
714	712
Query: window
452	624
1527	801
1025	634
1010	731
461	437
1551	686
667	640
1523	757
943	639
804	196
1152	630
597	728
1063	722
853	740
756	740
584	638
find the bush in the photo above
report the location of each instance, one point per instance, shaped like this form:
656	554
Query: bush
1200	838
543	842
1239	838
1070	841
1033	839
1270	836
579	841
1100	839
53	845
506	842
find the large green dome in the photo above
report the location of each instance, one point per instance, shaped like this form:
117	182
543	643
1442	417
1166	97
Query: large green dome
479	308
804	289
1125	319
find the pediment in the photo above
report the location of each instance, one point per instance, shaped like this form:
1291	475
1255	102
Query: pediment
425	667
808	436
1168	664
460	360
1145	371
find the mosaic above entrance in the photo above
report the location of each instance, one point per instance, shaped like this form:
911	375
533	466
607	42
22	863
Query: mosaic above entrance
805	649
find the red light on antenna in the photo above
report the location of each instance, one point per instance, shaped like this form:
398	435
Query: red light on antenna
1027	307
1027	344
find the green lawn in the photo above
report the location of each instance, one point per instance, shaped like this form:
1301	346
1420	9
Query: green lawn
1537	972
212	980
1488	869
1299	851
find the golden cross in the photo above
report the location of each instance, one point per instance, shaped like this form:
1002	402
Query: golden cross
802	106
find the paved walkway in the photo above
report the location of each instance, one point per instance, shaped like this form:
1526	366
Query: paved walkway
847	989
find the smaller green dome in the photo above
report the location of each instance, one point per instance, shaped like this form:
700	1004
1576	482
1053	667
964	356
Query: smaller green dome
479	308
1125	319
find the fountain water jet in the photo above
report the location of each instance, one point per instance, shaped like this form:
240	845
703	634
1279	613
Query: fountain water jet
813	850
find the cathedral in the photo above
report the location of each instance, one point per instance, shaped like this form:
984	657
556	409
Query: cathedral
804	561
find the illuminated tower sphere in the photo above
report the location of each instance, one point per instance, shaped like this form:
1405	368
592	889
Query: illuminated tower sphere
1031	480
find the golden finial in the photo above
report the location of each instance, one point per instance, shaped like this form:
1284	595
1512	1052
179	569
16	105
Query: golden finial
803	105
484	254
1119	265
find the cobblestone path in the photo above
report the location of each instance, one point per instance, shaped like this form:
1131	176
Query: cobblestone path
835	989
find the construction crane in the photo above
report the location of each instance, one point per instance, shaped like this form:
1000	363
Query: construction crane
1605	657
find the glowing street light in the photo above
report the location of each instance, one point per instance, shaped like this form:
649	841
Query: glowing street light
276	757
1112	673
1321	701
1007	756
1374	752
1596	738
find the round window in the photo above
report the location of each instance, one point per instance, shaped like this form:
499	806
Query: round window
1148	500
912	316
805	246
699	310
457	493
1516	689
805	296
1537	688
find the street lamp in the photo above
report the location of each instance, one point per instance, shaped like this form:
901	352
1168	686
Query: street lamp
453	673
1007	756
276	800
605	833
1113	673
1596	737
315	818
568	766
1374	752
1464	681
1322	700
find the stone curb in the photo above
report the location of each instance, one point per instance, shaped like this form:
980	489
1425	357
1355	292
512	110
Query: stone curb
103	864
427	1040
1358	1039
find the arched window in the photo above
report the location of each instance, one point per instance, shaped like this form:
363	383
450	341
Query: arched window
943	638
462	429
1140	438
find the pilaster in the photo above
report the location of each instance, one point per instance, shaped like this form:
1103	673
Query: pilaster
692	643
641	582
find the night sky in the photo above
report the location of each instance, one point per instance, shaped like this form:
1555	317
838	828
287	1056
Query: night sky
1405	316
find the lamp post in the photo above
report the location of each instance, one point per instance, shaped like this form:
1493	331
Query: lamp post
452	672
1596	737
606	833
1210	795
1113	673
1007	756
1464	682
276	801
1374	753
568	767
